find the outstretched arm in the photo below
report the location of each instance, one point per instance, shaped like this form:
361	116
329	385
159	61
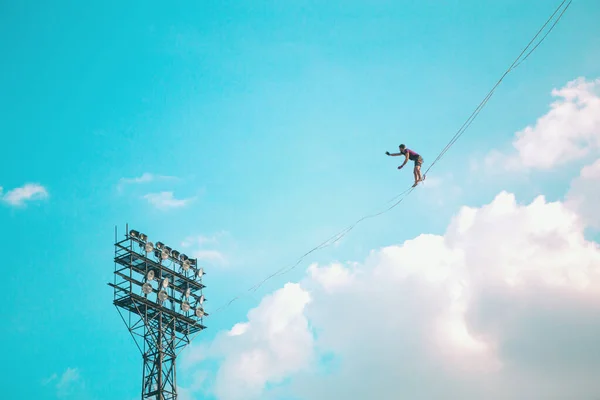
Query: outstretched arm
393	154
405	161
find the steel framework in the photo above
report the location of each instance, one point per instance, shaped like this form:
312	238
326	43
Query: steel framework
160	291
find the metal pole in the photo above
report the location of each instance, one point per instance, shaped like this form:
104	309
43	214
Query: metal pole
160	355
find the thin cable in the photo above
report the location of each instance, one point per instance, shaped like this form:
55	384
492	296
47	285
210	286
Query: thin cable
516	62
335	238
547	33
347	230
491	92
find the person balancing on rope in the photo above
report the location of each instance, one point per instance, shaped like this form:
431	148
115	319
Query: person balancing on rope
413	156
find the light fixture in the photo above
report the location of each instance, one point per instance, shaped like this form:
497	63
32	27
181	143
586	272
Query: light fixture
193	261
188	291
175	254
160	245
164	255
200	312
149	247
201	300
185	306
134	233
162	296
165	283
143	237
147	288
183	257
150	275
185	265
200	273
168	249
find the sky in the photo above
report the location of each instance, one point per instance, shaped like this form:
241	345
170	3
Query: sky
246	133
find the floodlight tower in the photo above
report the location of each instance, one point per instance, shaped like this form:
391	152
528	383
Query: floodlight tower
160	291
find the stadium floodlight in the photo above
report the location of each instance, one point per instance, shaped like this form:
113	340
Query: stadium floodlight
185	265
147	288
194	262
163	325
162	296
149	247
183	257
200	273
185	306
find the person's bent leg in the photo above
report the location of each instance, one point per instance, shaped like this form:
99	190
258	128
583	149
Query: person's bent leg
418	167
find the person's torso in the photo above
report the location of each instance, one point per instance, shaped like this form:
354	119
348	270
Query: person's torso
412	155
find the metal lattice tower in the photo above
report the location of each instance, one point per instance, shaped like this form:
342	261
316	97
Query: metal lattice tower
158	293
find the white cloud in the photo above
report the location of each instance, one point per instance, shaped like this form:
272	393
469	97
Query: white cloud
69	376
214	256
238	329
584	195
68	382
28	192
273	343
332	277
165	200
503	305
146	177
569	131
198	245
49	380
201	240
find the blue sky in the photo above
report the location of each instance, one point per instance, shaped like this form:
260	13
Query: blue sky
273	119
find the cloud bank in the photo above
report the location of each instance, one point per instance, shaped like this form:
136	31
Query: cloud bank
569	131
505	304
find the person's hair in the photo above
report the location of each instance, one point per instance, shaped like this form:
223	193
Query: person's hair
402	146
